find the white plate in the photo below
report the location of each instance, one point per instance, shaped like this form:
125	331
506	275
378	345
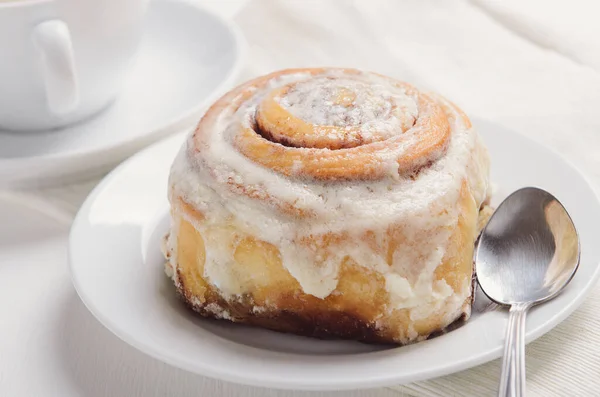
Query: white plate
117	269
187	58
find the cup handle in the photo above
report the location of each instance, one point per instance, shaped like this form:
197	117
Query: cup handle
52	42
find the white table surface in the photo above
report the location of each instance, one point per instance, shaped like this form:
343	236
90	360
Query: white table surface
531	65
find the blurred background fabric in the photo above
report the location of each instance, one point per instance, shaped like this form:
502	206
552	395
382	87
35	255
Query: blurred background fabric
531	65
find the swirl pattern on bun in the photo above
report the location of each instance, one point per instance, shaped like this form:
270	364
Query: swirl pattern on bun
330	203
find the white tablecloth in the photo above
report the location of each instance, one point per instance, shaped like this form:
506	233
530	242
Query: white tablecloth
533	66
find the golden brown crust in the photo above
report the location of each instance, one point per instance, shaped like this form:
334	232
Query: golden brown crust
323	157
348	211
276	301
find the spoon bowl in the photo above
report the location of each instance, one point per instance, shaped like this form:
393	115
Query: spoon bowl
529	249
527	253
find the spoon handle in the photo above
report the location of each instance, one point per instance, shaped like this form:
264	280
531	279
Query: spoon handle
506	378
512	379
519	348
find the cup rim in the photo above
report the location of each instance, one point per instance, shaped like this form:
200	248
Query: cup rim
21	3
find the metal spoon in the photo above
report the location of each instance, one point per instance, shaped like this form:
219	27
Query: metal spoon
526	255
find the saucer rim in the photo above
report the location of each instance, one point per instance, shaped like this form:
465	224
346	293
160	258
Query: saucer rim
550	320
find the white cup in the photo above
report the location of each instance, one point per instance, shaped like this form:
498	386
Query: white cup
62	61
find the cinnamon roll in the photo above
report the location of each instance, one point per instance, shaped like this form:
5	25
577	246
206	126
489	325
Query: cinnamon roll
329	203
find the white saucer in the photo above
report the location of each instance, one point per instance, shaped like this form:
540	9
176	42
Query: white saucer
117	269
188	57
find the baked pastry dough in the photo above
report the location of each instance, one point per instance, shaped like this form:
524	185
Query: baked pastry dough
329	203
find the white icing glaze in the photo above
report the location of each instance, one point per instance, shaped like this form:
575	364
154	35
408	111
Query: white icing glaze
374	105
169	244
425	206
